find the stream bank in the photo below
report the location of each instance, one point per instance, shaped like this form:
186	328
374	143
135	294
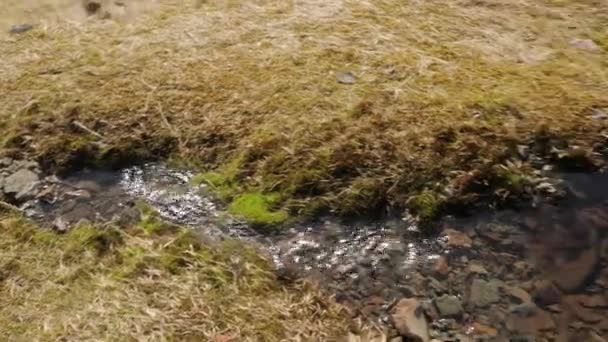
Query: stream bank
537	274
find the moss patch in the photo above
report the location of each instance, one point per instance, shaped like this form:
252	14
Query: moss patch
256	207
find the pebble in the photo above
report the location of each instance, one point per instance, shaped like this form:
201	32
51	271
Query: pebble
346	77
529	319
409	320
585	44
457	239
484	293
449	306
21	28
21	184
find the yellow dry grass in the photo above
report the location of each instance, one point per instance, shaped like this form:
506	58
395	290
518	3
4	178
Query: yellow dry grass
444	89
106	284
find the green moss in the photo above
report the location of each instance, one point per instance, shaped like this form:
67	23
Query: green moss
255	208
426	205
212	178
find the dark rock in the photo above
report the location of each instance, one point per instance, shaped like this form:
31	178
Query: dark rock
21	28
546	293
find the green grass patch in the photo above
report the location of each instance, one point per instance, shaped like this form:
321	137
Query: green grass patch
256	208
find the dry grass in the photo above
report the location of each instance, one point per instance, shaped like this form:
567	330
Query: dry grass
445	90
105	284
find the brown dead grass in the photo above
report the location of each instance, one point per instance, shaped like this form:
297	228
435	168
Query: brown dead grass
445	90
106	284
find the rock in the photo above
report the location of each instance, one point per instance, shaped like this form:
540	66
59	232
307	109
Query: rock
441	267
346	77
585	314
457	239
6	161
449	306
478	329
60	224
21	28
21	184
529	319
573	274
520	295
484	293
546	293
477	269
409	320
585	44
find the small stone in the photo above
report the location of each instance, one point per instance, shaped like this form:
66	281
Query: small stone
478	329
60	224
546	293
449	306
6	161
484	293
22	28
409	320
517	293
573	274
441	267
477	269
585	44
21	184
457	239
346	77
529	319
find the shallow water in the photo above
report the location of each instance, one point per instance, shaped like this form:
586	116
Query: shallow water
359	261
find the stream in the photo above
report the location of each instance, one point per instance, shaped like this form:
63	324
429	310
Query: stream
535	273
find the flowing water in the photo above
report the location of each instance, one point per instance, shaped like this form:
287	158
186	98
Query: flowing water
370	264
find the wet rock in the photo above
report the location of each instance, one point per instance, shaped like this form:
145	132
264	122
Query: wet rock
518	294
457	239
529	319
481	330
409	320
477	269
21	184
346	77
573	274
484	293
583	313
441	267
21	28
449	306
546	293
584	44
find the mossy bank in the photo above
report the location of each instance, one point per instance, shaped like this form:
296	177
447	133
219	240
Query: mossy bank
250	92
